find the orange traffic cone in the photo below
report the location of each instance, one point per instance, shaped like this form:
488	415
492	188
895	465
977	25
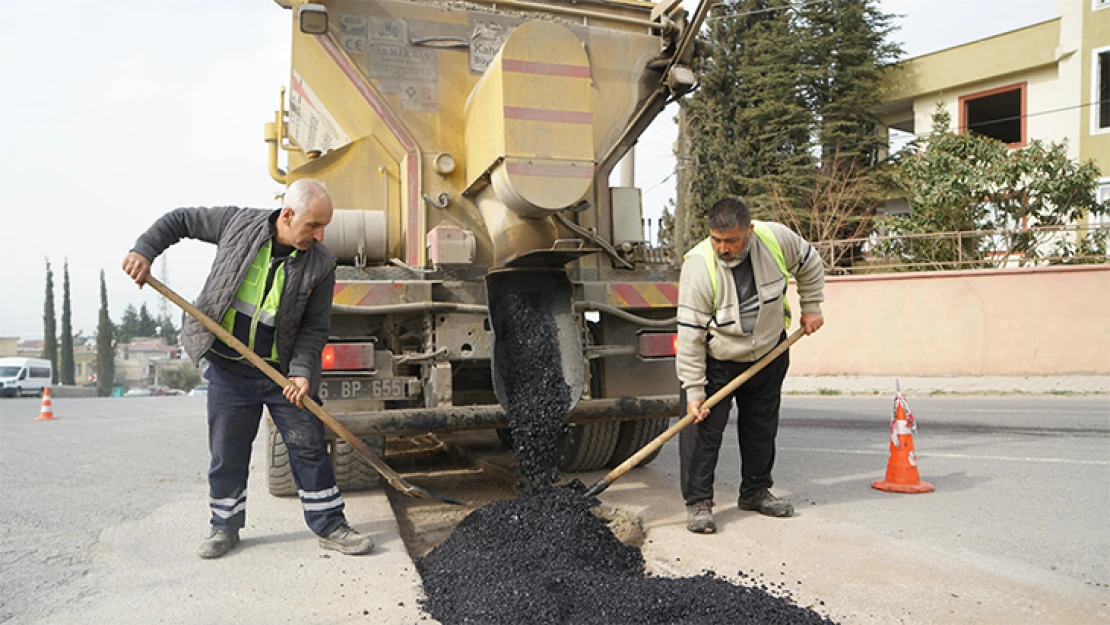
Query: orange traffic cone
901	469
46	413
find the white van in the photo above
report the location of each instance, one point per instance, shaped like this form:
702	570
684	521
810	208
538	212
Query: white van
24	376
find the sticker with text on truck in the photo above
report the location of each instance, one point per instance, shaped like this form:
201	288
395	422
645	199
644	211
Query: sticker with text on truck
380	389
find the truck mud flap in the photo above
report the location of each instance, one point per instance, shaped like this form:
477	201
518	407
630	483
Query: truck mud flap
532	316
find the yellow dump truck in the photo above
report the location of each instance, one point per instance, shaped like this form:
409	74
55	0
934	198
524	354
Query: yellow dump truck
468	148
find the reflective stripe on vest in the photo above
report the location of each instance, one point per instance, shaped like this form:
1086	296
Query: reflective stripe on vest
705	250
255	318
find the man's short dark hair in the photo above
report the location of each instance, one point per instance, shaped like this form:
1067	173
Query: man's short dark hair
729	212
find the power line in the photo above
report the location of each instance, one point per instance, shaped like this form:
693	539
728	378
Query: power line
913	136
797	5
656	185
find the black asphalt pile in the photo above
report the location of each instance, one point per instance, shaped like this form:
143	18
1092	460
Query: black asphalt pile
545	559
537	394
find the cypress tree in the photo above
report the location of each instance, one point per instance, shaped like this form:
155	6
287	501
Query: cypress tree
105	346
50	325
65	355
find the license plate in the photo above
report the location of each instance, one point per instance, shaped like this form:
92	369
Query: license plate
364	388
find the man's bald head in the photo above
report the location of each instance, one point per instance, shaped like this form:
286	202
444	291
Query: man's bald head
306	211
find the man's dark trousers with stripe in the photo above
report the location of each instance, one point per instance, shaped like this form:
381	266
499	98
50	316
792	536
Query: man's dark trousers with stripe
234	411
757	401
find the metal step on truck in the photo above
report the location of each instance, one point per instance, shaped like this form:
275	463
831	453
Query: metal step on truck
468	148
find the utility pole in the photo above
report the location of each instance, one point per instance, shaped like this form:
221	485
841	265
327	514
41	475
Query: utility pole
682	162
163	303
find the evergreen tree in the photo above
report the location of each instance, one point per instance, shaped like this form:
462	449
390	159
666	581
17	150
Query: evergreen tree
147	325
50	325
786	84
665	237
749	125
129	325
166	329
105	346
65	354
845	51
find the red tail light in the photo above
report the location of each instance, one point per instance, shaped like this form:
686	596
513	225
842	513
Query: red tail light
348	356
658	344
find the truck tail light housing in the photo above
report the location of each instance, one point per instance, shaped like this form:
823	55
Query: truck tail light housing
658	344
348	356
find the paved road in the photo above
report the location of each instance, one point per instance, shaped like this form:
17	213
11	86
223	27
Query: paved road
103	509
1015	532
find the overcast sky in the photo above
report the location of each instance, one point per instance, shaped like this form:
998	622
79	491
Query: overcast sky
118	111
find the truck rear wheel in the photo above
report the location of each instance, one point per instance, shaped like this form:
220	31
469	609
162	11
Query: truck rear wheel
352	472
279	473
587	447
634	435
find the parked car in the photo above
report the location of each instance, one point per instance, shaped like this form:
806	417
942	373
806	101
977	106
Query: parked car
199	390
139	392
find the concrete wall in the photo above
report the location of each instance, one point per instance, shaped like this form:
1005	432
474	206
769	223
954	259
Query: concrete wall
1043	321
9	346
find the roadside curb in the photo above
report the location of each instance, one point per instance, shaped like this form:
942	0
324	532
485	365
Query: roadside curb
939	386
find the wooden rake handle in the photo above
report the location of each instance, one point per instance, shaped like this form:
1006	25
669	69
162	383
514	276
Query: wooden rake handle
395	480
614	475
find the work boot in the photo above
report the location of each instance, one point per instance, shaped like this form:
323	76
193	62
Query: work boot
347	541
764	502
218	543
699	517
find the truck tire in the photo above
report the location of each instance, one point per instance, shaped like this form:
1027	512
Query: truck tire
279	473
587	447
352	472
505	435
634	435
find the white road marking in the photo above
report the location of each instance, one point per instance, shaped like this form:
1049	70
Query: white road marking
829	481
923	456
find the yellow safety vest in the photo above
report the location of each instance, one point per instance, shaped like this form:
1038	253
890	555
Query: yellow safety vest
253	306
705	250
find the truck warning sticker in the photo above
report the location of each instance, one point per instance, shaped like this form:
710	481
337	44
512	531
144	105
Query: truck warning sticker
310	124
486	40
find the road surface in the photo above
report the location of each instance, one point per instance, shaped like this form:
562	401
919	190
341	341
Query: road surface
105	506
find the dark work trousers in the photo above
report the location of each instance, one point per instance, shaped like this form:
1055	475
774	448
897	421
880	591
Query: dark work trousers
234	412
757	402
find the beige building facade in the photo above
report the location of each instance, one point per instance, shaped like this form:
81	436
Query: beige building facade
1048	81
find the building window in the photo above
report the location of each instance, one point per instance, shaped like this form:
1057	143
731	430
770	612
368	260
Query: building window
1100	4
1100	90
998	114
1101	221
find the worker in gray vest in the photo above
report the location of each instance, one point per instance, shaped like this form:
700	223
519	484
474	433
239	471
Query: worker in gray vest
732	310
270	286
